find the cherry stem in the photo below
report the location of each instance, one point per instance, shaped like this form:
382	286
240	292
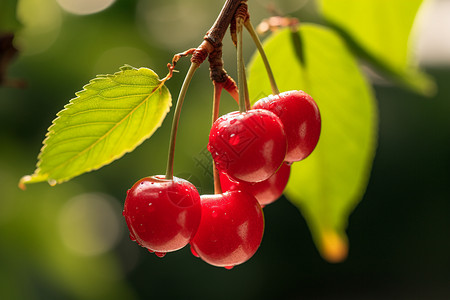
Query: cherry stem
176	117
248	25
246	94
240	65
216	104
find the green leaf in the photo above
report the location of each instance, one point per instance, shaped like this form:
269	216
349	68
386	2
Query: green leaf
111	116
328	184
379	31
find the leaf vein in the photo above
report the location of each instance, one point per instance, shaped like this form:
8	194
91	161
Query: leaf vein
84	125
68	140
95	109
109	131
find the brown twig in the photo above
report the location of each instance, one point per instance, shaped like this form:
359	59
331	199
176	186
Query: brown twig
216	33
211	45
212	42
242	13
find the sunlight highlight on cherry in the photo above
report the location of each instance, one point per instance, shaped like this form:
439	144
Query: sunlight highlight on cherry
231	229
248	146
301	119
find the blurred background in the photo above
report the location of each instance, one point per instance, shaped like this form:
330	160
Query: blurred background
71	242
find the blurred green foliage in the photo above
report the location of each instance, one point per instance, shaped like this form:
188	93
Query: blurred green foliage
399	233
379	31
8	19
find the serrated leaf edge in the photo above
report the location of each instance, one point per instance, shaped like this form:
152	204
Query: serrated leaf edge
38	177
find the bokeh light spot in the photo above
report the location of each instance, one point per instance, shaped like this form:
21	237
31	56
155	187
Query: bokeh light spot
431	35
89	224
85	7
41	21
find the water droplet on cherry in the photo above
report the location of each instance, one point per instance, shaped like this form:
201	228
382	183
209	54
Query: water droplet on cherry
160	254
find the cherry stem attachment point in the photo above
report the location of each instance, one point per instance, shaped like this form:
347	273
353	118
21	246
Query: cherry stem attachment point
176	117
248	25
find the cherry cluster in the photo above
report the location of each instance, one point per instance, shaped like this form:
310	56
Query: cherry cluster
252	152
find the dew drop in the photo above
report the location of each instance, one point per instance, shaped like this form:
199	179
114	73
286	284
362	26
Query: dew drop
123	212
132	238
160	254
233	140
229	267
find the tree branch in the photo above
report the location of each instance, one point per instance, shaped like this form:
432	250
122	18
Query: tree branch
214	36
216	33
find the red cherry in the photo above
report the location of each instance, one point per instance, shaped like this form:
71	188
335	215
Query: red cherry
230	230
266	191
162	215
301	120
248	146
